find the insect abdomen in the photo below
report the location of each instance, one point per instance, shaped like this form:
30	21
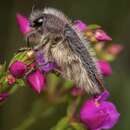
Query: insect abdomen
78	47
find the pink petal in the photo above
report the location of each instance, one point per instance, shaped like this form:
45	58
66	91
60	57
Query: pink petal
80	25
104	67
115	49
102	36
103	96
23	23
36	81
99	115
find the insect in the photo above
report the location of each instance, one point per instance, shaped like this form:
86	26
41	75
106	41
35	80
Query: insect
62	43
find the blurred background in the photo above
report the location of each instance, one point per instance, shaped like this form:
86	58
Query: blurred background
113	15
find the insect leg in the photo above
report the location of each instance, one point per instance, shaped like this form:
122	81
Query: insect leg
43	42
23	49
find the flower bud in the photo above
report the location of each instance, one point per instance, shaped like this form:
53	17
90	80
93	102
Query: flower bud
99	114
80	25
115	49
23	23
102	36
104	67
36	80
18	69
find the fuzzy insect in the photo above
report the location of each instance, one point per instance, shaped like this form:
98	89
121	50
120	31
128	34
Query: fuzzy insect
62	43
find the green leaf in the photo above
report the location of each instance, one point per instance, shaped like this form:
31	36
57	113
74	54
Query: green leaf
21	56
94	26
20	82
4	84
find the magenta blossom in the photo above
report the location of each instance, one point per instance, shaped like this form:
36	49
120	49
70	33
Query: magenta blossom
23	23
104	67
115	49
102	36
98	114
18	69
44	66
36	80
80	25
3	96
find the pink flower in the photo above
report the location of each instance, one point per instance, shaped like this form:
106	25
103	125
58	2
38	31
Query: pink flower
104	67
115	49
80	25
98	114
102	36
36	80
18	69
23	23
3	96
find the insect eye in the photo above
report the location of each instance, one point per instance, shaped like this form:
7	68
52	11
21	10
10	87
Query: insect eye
38	22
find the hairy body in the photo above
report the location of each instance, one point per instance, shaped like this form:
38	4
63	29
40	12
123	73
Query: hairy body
62	43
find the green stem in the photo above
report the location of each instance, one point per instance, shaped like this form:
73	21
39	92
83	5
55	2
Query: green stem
66	122
26	124
73	104
29	121
39	110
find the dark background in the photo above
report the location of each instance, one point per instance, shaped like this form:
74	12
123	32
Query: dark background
113	15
